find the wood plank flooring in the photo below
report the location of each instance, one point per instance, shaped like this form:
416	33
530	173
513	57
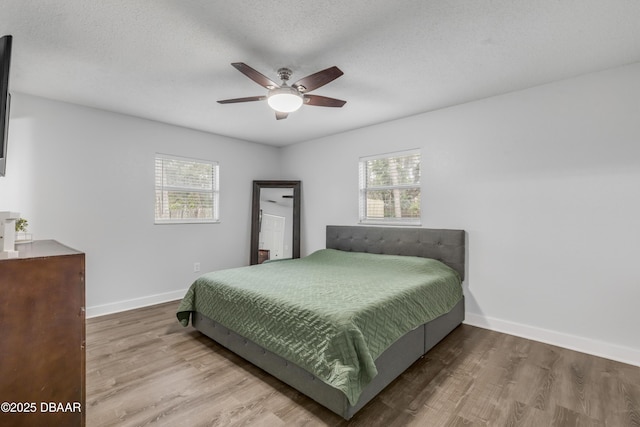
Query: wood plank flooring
144	368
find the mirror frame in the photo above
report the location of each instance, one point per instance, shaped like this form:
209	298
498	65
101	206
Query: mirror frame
255	215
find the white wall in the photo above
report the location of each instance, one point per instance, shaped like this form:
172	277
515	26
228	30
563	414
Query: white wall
85	177
547	183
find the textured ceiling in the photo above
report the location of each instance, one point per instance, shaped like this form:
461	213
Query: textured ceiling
169	60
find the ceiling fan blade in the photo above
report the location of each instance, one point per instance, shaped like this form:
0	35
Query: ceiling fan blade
247	99
316	80
323	101
280	116
256	76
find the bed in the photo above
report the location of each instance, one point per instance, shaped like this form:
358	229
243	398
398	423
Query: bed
343	351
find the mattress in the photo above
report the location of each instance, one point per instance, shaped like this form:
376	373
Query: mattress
333	313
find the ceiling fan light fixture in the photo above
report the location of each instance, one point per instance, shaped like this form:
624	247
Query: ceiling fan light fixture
285	99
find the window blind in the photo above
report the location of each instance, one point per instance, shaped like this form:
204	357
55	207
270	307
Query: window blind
390	188
187	190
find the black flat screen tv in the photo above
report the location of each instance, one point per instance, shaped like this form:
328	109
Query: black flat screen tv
5	99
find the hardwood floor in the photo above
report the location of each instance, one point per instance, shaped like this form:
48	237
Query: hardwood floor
144	368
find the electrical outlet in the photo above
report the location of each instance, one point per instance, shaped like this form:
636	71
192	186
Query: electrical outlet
196	267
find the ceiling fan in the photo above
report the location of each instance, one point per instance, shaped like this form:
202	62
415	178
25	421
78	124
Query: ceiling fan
285	99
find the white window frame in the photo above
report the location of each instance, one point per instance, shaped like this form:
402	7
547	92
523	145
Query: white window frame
364	216
161	186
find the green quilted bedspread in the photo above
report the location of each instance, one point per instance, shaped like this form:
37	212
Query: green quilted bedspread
332	313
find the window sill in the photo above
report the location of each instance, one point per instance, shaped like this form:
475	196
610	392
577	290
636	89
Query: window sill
186	221
395	223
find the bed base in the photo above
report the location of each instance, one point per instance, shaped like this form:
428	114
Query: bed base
391	363
448	246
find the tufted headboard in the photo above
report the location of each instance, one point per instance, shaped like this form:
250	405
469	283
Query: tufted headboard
447	246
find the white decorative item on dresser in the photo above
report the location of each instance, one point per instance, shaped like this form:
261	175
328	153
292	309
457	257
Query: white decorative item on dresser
8	234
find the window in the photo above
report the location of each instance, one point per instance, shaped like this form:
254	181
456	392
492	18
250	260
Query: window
186	190
390	188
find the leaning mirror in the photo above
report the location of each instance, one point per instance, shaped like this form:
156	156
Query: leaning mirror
275	220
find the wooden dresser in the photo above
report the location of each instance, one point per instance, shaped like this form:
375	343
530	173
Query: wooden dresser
42	336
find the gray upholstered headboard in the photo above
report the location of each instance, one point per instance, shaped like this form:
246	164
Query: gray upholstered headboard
447	246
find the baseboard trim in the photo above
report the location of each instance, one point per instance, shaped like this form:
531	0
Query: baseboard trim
571	342
131	304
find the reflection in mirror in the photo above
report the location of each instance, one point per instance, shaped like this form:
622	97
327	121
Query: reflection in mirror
276	217
275	225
